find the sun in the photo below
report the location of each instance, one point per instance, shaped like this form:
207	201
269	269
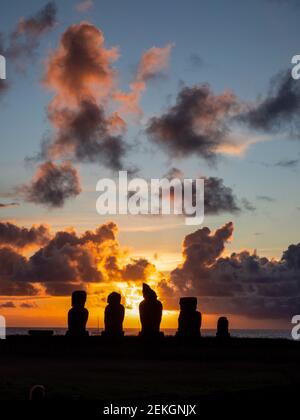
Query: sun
133	296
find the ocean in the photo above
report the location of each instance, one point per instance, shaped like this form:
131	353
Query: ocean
250	333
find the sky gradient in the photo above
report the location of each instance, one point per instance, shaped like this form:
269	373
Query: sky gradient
243	53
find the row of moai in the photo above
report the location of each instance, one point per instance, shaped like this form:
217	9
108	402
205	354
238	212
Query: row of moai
150	309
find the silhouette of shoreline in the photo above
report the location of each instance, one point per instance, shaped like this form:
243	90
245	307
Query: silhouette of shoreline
206	332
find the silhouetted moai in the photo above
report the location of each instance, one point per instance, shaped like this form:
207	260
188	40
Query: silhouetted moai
114	316
189	321
78	315
222	327
150	313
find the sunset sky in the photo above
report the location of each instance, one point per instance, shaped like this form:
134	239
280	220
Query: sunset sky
198	88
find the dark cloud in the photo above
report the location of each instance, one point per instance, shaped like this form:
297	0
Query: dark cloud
52	185
242	283
25	39
217	197
6	305
137	270
67	261
279	110
287	163
26	305
4	205
84	134
23	42
196	124
21	237
10	264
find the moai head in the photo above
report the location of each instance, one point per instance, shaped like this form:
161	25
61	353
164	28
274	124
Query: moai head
188	304
78	298
148	293
114	298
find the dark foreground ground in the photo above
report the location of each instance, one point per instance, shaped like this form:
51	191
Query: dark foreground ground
133	371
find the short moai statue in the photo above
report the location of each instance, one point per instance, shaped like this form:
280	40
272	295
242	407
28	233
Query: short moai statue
189	321
114	316
78	315
223	327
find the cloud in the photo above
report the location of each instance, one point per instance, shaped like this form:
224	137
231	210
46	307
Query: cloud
196	61
26	305
242	284
84	6
69	261
151	66
66	261
85	135
279	110
21	237
81	75
52	185
196	124
25	38
152	63
265	198
218	198
247	205
137	270
81	66
204	124
10	263
7	305
4	205
287	163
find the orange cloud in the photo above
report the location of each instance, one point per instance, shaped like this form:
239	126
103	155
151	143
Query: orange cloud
152	63
80	68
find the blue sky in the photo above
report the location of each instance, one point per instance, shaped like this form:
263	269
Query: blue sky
241	47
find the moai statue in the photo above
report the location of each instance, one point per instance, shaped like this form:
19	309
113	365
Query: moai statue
223	328
114	316
150	313
78	315
189	321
